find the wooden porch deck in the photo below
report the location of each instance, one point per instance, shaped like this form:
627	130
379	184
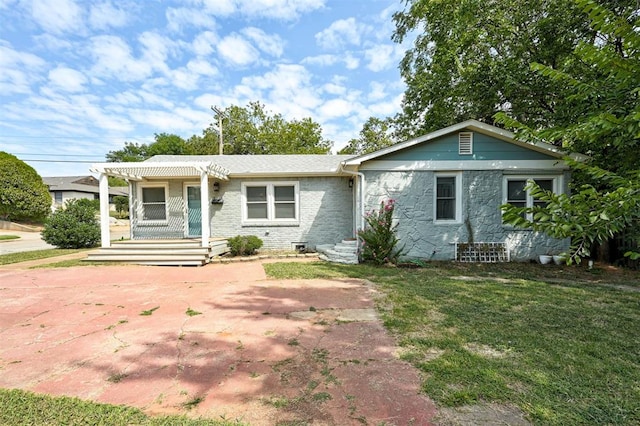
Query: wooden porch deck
180	252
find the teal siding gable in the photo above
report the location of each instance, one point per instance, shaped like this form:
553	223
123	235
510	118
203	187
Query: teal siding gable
446	148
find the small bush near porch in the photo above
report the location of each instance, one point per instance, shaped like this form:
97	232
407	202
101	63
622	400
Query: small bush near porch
559	343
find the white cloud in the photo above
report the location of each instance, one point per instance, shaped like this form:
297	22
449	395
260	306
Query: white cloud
336	108
18	70
204	43
383	57
202	67
326	60
237	50
113	58
67	79
341	33
57	16
179	18
104	15
286	10
270	44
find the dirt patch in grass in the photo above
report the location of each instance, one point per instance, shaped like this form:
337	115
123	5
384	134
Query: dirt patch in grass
481	414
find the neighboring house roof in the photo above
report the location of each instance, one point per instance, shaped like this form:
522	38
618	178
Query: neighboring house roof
87	184
471	125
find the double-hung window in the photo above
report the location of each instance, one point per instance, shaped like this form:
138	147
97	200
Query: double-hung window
270	202
518	195
448	197
153	203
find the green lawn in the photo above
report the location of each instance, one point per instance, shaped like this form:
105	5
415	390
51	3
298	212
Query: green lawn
25	256
560	343
25	408
8	237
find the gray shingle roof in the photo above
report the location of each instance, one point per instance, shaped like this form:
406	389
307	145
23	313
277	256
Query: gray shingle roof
266	165
88	184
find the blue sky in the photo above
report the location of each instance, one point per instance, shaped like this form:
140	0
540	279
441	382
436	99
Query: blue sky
79	78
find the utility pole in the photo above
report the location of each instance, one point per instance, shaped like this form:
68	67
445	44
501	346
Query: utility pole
220	115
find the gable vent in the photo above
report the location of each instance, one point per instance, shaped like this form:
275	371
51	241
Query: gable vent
465	143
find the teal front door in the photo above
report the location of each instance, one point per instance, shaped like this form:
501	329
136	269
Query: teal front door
194	212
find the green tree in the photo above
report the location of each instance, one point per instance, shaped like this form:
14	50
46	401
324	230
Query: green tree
122	205
23	195
74	226
252	130
607	197
164	144
470	59
376	134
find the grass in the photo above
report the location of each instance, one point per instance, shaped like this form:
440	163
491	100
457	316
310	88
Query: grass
8	237
26	256
560	343
148	312
26	408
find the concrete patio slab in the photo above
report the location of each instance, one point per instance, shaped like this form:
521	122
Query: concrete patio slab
220	340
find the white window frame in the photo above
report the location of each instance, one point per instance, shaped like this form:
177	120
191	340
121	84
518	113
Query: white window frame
458	194
141	219
556	187
271	208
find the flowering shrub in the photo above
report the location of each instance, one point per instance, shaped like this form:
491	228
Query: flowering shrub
379	239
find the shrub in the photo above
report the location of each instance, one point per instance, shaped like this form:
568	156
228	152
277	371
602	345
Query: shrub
90	203
23	195
244	245
74	226
379	239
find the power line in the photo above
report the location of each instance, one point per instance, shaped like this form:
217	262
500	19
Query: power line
58	161
54	155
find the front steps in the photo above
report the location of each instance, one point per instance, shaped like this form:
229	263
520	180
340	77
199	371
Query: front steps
343	252
188	252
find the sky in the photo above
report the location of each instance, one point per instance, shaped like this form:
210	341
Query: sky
78	78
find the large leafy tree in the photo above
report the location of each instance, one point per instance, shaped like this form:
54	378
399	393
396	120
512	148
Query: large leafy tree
246	130
23	195
376	134
164	144
470	59
606	94
253	130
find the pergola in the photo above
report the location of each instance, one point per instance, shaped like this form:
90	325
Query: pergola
153	170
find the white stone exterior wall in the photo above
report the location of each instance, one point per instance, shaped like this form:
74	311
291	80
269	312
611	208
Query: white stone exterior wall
481	200
326	213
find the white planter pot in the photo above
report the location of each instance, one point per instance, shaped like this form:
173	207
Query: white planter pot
559	260
545	259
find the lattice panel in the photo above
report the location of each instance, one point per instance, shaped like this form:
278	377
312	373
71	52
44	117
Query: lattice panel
482	252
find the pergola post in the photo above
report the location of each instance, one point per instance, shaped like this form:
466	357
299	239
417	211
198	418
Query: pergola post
105	235
204	208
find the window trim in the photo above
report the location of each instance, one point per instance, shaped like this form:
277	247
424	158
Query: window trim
556	187
458	200
271	203
141	219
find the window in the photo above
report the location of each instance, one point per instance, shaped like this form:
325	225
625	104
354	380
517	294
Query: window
154	203
270	202
58	197
465	143
518	196
448	197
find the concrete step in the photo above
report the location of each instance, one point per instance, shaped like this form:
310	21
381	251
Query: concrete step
102	256
155	251
338	260
340	255
321	248
353	243
345	248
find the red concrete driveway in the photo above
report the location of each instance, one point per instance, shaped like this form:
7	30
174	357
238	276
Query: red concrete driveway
220	340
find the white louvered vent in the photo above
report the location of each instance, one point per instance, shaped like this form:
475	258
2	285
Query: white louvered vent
465	143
